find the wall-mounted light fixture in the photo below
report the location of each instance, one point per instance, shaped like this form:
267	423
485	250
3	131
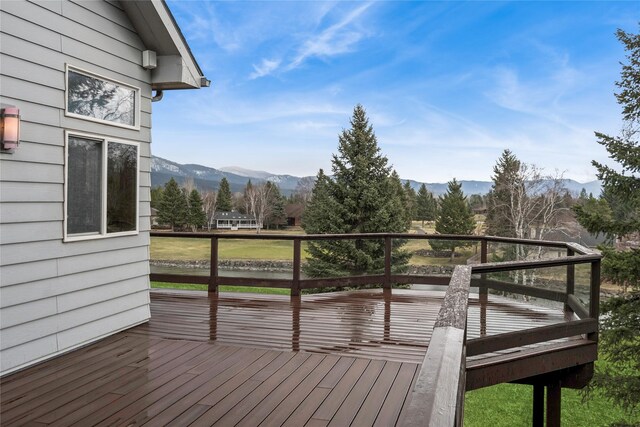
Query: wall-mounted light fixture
9	128
149	60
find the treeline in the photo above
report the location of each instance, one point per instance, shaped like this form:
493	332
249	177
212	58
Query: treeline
186	207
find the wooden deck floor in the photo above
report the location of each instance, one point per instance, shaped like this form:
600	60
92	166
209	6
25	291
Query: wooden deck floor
340	359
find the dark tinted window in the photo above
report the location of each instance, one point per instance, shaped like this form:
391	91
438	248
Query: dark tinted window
84	189
122	187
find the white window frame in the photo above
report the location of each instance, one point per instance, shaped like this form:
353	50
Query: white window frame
103	183
137	110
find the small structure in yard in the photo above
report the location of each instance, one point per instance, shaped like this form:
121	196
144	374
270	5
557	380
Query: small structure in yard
234	221
293	212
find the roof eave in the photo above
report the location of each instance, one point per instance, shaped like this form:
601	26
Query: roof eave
176	66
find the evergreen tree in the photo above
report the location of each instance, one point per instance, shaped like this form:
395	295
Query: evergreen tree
617	214
156	196
506	173
426	205
173	205
276	216
196	216
476	201
224	202
361	198
454	217
411	203
583	194
246	199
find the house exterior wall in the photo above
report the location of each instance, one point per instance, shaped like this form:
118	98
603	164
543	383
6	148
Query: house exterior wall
54	295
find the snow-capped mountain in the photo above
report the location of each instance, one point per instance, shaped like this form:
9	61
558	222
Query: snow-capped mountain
207	178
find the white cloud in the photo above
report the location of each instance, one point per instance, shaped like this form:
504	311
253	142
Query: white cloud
337	39
266	67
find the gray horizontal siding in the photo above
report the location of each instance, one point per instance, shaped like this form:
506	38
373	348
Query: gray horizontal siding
37	152
55	296
101	33
29	192
17	274
30	232
32	72
51	345
19	253
36	172
61	285
35	329
111	12
102	327
30	212
30	352
27	272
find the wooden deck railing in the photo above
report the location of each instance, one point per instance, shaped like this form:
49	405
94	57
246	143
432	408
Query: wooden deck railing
439	394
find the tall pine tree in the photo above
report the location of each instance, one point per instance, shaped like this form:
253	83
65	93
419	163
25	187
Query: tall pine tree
426	205
411	203
454	217
224	203
172	209
276	216
362	197
617	215
196	216
506	172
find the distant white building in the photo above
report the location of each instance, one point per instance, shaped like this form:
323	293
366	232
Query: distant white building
234	221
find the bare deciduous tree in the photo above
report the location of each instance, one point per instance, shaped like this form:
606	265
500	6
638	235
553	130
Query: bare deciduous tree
209	204
258	197
533	209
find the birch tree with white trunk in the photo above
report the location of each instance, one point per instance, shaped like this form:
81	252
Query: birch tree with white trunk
532	209
209	203
258	197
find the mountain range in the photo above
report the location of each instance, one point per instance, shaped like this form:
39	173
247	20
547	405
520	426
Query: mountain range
207	178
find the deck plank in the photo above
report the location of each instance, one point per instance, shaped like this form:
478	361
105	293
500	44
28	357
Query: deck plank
379	394
262	391
211	377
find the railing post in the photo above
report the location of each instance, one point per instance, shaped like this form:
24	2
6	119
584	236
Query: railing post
213	266
387	262
483	291
571	279
538	405
554	404
594	302
295	284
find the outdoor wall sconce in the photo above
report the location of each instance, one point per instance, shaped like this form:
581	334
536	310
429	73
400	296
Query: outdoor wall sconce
9	128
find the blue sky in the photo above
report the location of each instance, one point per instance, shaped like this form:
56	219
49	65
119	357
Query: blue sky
447	86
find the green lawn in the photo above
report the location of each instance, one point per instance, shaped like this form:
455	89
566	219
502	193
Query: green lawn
222	288
507	405
186	249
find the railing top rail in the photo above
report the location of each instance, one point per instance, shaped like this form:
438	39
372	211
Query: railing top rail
583	250
492	267
439	389
473	238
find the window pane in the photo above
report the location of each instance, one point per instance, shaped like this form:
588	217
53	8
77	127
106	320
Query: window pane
100	99
122	187
84	195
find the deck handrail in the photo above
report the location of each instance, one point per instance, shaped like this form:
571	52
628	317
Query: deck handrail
445	343
438	395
